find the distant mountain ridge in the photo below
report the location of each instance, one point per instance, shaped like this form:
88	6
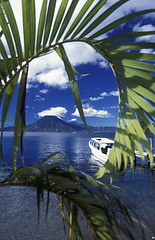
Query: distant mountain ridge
54	124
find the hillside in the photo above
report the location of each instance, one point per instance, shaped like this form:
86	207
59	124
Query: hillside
54	124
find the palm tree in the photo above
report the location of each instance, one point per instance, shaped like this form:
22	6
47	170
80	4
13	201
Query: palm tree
134	73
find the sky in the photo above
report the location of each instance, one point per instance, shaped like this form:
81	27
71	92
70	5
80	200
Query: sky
48	91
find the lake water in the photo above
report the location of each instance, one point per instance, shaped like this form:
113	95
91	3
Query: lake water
18	210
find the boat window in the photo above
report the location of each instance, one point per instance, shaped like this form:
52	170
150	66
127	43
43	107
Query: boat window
110	145
104	150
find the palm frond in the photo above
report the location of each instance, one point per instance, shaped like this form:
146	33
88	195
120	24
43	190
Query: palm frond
133	70
77	192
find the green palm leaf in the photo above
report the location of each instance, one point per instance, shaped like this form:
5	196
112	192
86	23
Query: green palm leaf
49	19
132	70
58	19
120	21
75	193
73	83
134	73
19	118
41	25
14	28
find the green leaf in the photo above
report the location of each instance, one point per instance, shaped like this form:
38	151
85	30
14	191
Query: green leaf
119	22
136	138
79	17
141	115
46	160
127	46
14	28
134	56
143	91
29	23
6	65
67	18
72	81
49	20
89	17
126	36
102	17
138	64
74	70
20	117
58	19
32	26
139	100
41	25
7	100
140	77
128	149
8	36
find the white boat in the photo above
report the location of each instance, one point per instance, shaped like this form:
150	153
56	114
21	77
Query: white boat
100	148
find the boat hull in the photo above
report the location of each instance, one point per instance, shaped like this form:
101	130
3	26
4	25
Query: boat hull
97	154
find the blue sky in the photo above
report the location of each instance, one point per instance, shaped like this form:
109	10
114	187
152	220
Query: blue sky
48	91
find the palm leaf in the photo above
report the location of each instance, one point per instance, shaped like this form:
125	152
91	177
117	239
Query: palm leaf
134	72
41	25
90	15
49	19
72	80
20	118
7	33
79	16
14	28
99	208
102	17
119	22
58	19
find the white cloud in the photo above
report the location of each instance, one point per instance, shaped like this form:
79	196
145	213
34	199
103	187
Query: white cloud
53	111
39	98
139	5
103	95
73	120
82	53
113	93
148	38
95	98
92	112
49	69
44	91
53	78
148	27
113	107
104	63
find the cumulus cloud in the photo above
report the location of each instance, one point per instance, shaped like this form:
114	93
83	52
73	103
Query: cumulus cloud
113	93
148	27
82	53
53	111
95	98
103	95
50	69
149	38
54	78
92	112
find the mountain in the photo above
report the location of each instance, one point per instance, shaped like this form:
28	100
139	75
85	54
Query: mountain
54	124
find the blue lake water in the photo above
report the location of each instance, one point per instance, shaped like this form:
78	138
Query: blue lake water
18	205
